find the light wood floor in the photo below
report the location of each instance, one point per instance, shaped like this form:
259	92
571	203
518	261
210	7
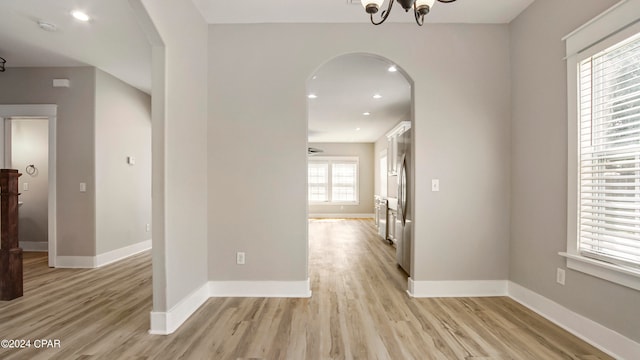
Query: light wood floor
359	310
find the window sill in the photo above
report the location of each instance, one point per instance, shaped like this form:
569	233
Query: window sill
334	203
614	273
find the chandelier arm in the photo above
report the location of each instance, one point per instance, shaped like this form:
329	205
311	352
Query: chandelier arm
385	14
419	12
419	18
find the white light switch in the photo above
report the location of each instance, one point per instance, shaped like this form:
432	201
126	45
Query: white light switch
25	186
83	187
240	258
435	185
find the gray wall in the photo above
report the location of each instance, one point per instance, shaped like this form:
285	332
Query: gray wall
179	146
123	191
364	151
75	145
539	167
257	137
30	146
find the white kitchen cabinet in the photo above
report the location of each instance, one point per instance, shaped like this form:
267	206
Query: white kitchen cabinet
392	146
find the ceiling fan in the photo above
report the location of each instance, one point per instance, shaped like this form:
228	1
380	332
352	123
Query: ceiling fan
313	151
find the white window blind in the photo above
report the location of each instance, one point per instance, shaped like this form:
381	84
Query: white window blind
333	180
343	183
318	182
609	150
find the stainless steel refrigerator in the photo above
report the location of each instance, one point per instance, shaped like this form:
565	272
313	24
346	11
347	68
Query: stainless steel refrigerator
404	221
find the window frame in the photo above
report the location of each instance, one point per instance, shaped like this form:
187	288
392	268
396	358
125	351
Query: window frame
608	29
330	161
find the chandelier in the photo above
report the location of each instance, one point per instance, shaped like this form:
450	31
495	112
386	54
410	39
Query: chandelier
420	8
2	62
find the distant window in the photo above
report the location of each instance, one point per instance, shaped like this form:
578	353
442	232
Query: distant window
333	180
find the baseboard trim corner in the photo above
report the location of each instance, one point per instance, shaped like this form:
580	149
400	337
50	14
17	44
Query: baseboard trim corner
603	338
282	289
466	288
165	323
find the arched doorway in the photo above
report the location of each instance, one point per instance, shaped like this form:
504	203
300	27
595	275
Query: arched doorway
357	105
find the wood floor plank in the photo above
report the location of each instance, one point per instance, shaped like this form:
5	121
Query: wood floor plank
359	310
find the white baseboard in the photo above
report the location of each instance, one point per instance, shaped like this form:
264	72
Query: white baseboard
90	262
35	246
283	289
165	323
605	339
471	288
341	216
75	262
121	253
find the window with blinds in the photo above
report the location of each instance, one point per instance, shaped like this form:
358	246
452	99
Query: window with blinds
333	180
318	182
609	151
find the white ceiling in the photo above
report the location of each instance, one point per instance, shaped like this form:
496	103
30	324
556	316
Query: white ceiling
114	42
111	41
344	88
351	11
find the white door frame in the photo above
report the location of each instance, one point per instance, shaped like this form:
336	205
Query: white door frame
48	111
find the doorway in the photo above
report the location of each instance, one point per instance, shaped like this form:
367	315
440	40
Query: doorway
26	149
27	115
354	103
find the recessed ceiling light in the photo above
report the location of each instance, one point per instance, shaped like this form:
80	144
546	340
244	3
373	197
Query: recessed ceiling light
366	113
312	96
79	15
357	129
314	77
392	68
377	96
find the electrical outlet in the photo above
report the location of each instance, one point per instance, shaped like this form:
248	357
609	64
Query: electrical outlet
560	276
240	258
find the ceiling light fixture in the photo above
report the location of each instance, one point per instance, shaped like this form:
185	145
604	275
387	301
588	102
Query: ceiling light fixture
420	8
377	96
79	15
392	68
2	62
312	96
366	113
